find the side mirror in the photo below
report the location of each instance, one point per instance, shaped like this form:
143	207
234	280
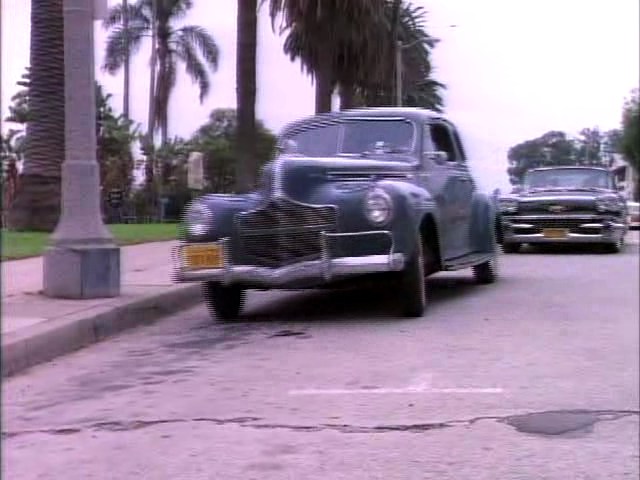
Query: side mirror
439	157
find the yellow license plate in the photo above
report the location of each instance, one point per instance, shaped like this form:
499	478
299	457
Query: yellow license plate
555	232
199	257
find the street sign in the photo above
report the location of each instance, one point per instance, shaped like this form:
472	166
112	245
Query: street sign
195	172
115	197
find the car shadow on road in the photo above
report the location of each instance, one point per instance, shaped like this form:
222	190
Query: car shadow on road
366	304
564	249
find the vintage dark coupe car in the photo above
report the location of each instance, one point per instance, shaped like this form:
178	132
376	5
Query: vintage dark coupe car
382	192
564	205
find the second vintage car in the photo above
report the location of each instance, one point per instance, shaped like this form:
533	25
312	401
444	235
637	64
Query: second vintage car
564	205
383	192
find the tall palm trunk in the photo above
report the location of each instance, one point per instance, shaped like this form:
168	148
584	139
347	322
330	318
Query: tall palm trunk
37	203
162	88
125	26
149	170
324	83
246	41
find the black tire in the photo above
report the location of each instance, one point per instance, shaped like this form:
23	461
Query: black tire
614	247
487	272
413	290
223	302
510	247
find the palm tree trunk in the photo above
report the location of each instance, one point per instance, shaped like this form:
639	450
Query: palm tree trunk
151	119
246	168
324	83
125	26
37	202
162	91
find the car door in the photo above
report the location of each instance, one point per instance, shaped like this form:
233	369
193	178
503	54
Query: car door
449	182
466	189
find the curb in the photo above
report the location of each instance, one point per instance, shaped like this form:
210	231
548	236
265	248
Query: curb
54	338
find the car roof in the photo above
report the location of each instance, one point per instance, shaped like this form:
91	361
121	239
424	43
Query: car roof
411	113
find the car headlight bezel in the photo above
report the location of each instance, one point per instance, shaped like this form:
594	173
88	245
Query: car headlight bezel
378	207
198	217
609	203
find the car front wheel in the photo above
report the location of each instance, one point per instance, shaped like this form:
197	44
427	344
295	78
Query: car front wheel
510	247
413	289
615	247
223	302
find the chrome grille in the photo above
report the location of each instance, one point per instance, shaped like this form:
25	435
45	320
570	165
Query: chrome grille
572	224
283	232
574	207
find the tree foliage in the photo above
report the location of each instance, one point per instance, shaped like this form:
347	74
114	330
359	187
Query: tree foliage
554	148
115	136
190	45
352	45
630	136
337	42
419	88
217	138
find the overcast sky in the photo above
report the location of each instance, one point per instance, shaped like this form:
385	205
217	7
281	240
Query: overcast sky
514	69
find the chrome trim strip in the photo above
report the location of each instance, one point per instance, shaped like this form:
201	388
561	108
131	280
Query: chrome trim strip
310	270
606	237
324	269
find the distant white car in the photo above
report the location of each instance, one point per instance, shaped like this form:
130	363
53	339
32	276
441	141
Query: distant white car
633	212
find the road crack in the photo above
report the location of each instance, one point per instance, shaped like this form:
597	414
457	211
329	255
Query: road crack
253	423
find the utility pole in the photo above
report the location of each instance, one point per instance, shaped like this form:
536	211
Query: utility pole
82	260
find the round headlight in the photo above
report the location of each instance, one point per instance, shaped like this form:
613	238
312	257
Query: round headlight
378	207
198	218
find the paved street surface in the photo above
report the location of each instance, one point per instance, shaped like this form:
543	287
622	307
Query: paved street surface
533	377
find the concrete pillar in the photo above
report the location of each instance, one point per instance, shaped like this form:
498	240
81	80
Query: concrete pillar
82	260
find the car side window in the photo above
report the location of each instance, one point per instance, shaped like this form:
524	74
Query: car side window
443	141
462	157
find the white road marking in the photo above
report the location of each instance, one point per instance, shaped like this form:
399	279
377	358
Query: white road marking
421	385
369	391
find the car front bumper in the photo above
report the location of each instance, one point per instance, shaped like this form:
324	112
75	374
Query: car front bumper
318	271
575	230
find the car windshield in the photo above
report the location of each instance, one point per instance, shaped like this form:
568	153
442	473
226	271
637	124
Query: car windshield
567	179
357	137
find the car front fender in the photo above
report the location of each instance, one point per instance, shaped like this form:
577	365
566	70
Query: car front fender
223	209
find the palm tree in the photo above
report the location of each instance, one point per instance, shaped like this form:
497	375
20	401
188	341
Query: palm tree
408	27
246	41
37	202
334	40
190	45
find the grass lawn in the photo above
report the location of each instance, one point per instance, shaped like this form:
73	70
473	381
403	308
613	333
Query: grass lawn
29	244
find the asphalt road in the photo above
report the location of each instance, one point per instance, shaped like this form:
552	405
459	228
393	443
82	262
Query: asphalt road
534	377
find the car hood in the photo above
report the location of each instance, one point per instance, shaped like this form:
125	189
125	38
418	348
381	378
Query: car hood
558	201
565	193
297	176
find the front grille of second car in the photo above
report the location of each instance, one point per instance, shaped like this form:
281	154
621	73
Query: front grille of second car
283	232
572	224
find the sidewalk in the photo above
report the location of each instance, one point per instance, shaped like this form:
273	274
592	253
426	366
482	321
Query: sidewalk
36	329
